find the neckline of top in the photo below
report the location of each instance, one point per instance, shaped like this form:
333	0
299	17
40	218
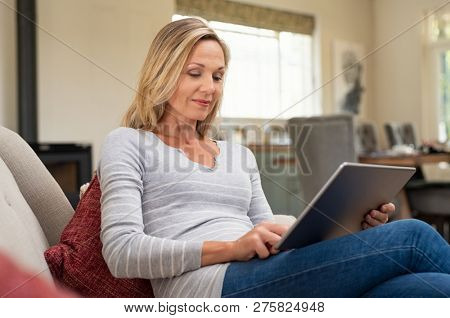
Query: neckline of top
182	152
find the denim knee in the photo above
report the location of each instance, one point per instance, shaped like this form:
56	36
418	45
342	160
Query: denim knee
413	222
415	230
413	226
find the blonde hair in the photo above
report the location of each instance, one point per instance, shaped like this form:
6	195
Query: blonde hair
159	76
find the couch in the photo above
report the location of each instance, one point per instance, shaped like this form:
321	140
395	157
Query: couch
33	208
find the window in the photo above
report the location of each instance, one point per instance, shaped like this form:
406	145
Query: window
444	125
439	44
269	72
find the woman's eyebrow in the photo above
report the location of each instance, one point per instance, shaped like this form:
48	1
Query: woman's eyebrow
202	65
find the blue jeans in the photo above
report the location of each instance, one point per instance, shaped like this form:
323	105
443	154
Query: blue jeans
406	258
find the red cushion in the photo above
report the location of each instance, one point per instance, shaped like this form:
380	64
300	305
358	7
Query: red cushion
77	260
18	283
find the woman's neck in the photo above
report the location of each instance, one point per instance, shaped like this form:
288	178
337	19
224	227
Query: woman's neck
182	131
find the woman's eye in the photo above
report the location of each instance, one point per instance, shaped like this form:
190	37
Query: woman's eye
216	78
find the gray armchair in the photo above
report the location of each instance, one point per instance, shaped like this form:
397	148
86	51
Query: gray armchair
322	143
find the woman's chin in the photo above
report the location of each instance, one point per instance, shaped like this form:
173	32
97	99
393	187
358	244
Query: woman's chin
199	116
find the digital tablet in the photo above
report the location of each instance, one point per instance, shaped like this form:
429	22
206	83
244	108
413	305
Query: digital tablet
340	206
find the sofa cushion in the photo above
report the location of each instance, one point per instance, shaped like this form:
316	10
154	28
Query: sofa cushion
21	235
77	260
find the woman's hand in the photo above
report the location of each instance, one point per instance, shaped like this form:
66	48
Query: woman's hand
377	217
259	241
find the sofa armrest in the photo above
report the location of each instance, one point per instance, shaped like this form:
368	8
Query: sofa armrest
284	219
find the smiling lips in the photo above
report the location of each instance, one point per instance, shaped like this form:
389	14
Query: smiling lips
202	102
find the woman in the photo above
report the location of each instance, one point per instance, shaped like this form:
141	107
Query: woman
189	213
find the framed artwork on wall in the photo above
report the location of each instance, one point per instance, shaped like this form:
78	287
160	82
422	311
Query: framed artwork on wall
349	85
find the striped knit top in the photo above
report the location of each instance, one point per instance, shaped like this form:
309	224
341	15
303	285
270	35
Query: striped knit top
158	207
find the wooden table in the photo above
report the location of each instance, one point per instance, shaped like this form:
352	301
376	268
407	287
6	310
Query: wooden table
409	161
406	160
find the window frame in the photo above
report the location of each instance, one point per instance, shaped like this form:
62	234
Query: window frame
431	98
437	50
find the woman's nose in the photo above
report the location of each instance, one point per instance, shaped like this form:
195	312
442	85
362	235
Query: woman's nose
208	86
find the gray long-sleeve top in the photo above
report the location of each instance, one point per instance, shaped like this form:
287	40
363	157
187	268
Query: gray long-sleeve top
158	207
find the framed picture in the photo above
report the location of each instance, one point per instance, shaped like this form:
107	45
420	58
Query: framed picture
349	85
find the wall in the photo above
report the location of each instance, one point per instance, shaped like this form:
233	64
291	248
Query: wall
8	77
79	101
400	92
89	56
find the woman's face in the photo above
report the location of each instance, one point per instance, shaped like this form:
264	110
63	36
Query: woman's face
200	83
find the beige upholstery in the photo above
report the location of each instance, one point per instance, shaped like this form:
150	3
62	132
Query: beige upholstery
284	219
21	234
33	208
38	187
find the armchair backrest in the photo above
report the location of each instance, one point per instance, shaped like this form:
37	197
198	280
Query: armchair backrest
401	134
322	143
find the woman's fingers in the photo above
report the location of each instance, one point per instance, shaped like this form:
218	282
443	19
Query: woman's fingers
378	217
388	208
382	217
270	237
279	229
261	249
261	241
274	233
373	219
273	250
